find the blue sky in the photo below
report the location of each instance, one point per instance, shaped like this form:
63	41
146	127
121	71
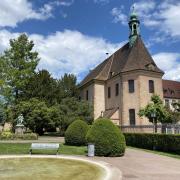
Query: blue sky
73	36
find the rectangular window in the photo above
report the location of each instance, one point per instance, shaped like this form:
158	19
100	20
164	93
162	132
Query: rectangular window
132	118
117	89
131	86
109	92
87	95
151	86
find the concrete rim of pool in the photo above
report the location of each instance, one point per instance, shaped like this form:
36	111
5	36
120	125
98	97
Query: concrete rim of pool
111	173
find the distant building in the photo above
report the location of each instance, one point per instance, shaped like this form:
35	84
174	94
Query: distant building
171	91
125	82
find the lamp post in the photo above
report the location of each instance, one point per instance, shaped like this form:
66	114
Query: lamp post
153	115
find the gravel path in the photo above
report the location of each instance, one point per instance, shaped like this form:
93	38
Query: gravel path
141	165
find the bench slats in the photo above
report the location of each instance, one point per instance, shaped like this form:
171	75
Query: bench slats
44	146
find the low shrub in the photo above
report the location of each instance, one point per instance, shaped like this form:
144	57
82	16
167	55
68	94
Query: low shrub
161	142
27	136
7	135
76	133
107	137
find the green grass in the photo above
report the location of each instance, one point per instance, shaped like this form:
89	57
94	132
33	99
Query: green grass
48	168
173	155
23	148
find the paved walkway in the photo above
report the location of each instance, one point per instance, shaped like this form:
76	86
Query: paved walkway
141	165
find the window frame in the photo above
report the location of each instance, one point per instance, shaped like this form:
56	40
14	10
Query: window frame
131	85
117	89
151	86
87	95
109	92
132	122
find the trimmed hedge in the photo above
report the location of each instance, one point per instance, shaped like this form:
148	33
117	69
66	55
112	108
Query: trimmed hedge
108	139
161	142
7	135
76	133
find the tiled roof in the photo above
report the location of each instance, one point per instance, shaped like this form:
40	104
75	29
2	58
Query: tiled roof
109	112
125	59
171	89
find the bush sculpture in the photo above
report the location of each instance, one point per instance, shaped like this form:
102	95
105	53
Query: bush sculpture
107	137
76	133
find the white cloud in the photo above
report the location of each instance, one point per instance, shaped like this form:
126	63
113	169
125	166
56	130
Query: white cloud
119	16
73	52
64	2
102	1
163	16
13	12
67	51
170	63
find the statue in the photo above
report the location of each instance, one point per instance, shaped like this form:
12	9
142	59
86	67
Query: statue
20	120
20	127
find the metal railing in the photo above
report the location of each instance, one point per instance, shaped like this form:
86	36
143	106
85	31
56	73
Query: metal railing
161	128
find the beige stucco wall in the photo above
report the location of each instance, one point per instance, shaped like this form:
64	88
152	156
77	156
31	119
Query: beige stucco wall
113	101
130	100
141	97
145	96
99	99
98	95
90	89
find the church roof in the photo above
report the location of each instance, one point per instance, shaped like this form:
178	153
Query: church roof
171	89
125	59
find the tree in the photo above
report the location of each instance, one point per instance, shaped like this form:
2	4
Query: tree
68	85
37	115
43	87
19	63
72	109
155	106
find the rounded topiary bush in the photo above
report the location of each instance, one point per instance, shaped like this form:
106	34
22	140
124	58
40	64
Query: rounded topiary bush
76	133
107	137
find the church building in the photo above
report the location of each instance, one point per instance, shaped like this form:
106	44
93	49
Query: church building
124	82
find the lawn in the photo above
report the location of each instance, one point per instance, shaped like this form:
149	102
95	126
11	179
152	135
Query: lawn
23	148
48	168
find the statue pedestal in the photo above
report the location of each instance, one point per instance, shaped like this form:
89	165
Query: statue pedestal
19	129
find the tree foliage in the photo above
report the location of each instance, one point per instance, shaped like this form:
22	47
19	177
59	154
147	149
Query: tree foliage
45	102
43	87
156	106
18	64
76	133
72	109
107	137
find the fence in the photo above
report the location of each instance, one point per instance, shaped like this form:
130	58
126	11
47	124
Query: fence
161	128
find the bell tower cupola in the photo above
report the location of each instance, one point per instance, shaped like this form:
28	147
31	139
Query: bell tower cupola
134	26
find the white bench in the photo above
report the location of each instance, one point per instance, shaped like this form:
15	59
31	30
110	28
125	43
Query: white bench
49	146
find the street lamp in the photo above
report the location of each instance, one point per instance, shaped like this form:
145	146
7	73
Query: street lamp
153	115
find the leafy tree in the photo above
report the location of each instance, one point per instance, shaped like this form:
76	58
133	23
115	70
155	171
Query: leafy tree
19	63
155	106
43	87
37	116
68	85
72	109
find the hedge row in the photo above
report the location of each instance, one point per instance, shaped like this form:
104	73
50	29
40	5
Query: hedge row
6	135
161	142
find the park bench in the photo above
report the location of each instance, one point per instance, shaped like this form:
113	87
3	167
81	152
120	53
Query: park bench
48	146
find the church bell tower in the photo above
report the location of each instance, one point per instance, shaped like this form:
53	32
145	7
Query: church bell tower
134	25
